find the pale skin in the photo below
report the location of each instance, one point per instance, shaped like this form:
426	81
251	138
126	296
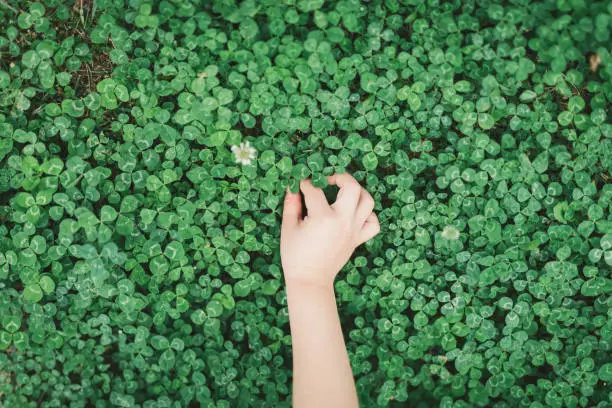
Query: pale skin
313	250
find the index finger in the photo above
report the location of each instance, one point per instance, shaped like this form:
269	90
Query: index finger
350	190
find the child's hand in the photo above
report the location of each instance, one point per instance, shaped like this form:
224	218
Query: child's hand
315	248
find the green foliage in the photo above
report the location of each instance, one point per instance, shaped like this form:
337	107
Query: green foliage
145	147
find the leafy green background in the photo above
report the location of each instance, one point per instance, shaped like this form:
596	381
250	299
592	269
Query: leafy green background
139	264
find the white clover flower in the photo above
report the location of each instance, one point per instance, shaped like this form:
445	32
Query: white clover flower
450	233
244	153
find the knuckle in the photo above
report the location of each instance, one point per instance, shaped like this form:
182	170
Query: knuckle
346	178
328	217
351	180
353	187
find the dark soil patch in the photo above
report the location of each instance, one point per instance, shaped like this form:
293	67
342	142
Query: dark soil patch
85	79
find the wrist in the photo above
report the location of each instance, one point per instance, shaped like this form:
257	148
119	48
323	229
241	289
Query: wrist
306	295
309	286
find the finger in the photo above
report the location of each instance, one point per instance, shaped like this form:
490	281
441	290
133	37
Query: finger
365	206
350	190
315	200
370	229
292	210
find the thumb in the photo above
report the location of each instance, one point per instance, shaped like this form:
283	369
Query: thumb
292	210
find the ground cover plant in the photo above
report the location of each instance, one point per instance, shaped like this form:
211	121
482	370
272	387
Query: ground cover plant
145	147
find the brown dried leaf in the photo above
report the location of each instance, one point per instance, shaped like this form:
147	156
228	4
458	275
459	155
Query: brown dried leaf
594	61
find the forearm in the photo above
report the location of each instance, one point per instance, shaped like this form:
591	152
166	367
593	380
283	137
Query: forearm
322	375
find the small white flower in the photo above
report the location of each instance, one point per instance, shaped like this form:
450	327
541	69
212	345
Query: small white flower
244	153
450	233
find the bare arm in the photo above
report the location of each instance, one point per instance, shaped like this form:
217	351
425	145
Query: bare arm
322	375
313	250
